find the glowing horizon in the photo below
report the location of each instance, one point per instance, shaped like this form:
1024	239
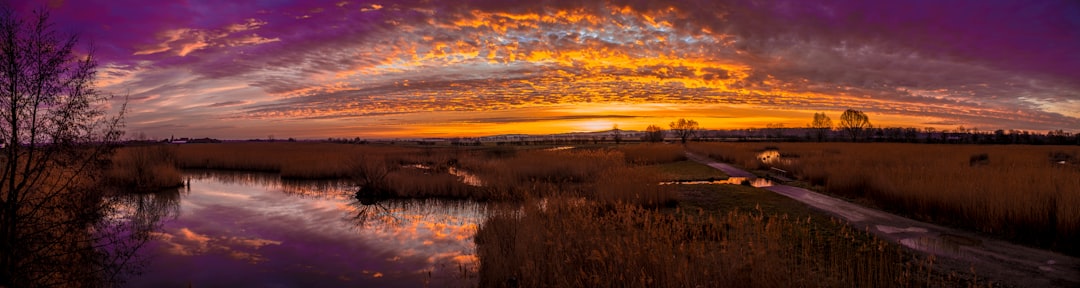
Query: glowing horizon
383	69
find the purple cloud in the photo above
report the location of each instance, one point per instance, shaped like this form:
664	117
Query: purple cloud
996	64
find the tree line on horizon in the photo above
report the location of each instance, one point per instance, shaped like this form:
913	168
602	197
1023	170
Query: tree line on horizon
855	126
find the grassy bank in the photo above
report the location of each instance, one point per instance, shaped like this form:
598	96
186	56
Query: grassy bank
1027	194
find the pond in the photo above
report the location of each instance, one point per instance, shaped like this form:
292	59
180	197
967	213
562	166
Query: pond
255	230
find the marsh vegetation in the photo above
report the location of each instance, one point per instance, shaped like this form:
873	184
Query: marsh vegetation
1027	194
597	216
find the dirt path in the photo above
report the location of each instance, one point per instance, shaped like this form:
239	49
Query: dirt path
997	260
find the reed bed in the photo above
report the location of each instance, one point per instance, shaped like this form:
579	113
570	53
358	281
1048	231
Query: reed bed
144	168
291	160
571	243
1028	194
596	174
650	154
593	217
506	174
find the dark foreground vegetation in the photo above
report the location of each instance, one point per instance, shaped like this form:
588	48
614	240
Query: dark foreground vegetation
59	226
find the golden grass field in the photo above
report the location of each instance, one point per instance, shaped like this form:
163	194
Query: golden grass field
598	216
564	242
1019	192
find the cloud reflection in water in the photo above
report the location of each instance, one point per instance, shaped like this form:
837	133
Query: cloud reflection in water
252	229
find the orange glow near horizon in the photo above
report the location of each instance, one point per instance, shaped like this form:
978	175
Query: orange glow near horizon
581	118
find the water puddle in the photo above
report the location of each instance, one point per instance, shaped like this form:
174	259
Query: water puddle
755	182
464	176
894	230
251	229
769	156
559	148
943	244
774	157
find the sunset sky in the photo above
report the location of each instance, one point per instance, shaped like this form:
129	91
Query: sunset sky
316	69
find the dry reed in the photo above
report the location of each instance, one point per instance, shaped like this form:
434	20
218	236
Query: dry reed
647	154
292	160
1022	193
571	243
596	174
144	168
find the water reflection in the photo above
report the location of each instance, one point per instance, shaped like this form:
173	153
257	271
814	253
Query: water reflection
463	176
774	157
769	156
755	182
466	177
127	226
145	211
559	148
942	244
251	229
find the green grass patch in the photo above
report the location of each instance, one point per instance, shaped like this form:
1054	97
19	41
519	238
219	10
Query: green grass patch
724	198
689	170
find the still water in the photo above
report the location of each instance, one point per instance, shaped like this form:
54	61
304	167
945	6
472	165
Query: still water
255	230
755	182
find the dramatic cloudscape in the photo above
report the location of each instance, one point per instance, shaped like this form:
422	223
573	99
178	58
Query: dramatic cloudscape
316	69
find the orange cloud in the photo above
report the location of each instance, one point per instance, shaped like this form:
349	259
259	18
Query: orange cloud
184	41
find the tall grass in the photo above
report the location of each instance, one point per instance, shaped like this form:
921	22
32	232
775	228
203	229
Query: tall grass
566	243
1019	192
596	174
291	160
603	174
592	218
144	168
647	154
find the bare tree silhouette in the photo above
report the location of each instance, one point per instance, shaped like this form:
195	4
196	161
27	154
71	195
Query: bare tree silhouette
616	134
822	125
684	129
854	122
654	133
56	227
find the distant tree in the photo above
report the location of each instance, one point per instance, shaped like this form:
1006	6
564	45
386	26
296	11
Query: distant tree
616	134
775	129
893	134
854	123
58	227
911	134
684	129
821	126
653	133
1058	137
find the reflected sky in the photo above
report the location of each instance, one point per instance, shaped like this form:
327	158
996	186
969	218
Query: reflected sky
251	230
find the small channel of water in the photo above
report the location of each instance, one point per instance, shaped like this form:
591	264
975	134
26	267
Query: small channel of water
756	182
255	230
